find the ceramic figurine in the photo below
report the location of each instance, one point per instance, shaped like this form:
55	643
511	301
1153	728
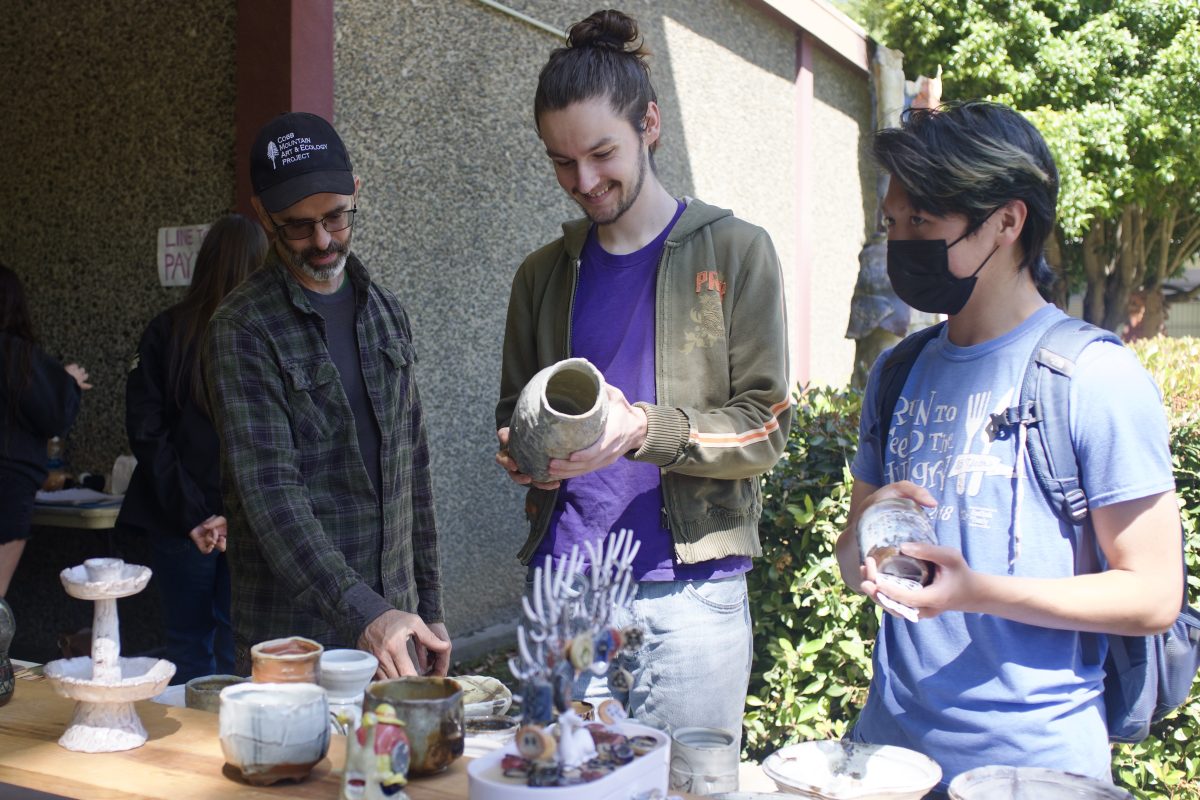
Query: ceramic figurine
377	758
562	409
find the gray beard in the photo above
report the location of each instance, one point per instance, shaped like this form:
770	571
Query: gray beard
324	275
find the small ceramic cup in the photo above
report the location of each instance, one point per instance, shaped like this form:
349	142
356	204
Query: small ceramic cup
346	673
432	712
204	693
274	731
290	660
704	760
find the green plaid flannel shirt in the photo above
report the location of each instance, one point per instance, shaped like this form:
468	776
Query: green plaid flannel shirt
312	550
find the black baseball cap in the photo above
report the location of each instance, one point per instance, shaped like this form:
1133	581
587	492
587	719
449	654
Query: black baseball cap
296	155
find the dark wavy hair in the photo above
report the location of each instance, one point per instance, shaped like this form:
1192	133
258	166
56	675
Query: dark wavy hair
970	158
234	247
18	347
604	57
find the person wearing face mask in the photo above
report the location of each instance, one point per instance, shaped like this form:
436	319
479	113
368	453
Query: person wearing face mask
1001	664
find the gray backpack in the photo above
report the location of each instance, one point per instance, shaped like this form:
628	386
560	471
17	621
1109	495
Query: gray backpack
1146	677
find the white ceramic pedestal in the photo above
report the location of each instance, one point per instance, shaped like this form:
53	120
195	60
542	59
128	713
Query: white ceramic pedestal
106	686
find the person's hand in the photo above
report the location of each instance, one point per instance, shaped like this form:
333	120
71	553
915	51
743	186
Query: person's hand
387	637
510	466
79	374
954	586
434	662
624	430
210	534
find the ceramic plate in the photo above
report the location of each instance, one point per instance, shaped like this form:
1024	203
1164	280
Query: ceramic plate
171	696
483	695
840	770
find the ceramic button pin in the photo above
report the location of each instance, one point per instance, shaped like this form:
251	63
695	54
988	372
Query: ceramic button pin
633	638
538	701
534	743
611	711
620	679
581	651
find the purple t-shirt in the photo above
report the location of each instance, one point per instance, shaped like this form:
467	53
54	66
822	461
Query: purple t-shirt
613	327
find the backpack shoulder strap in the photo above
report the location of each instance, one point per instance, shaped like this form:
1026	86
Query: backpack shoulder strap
894	373
1044	408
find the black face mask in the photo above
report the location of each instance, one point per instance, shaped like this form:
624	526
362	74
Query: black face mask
919	270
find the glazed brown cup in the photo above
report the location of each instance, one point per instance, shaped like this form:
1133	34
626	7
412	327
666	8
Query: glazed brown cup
293	659
432	712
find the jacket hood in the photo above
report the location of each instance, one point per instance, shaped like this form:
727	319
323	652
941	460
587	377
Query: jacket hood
695	216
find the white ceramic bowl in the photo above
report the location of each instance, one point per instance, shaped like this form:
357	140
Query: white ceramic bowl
484	696
274	731
346	673
841	770
1030	783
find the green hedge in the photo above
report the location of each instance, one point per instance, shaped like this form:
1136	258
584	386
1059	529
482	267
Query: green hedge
813	637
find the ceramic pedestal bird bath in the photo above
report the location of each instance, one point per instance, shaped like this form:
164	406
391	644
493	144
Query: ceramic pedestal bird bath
106	685
562	409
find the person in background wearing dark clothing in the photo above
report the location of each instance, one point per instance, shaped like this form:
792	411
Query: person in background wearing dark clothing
175	491
39	399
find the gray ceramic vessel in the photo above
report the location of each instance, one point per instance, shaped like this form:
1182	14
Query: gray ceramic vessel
562	409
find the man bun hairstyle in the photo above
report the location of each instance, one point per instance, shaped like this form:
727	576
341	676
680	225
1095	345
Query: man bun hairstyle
970	158
604	57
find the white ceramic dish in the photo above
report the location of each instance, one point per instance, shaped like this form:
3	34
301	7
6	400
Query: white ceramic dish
841	770
483	696
646	774
1030	783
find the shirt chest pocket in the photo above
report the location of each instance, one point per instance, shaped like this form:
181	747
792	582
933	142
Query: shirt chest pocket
395	391
316	400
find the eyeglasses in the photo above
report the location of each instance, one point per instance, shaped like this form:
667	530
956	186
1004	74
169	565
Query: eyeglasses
332	223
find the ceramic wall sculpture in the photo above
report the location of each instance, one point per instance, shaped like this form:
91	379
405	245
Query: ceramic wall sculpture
105	686
562	409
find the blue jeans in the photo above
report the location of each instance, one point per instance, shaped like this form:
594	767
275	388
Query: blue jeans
694	666
195	595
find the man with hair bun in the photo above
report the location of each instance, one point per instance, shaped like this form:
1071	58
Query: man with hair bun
1001	664
680	305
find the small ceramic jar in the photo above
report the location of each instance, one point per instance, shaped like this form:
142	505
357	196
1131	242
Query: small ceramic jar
290	660
274	731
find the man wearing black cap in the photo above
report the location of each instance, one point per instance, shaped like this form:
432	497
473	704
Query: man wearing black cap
324	458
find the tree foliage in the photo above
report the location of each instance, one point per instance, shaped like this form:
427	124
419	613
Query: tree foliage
1114	86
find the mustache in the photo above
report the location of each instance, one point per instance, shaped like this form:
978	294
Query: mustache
316	252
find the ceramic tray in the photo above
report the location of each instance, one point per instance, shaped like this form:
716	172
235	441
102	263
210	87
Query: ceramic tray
486	781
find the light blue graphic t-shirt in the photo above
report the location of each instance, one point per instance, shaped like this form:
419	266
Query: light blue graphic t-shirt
973	689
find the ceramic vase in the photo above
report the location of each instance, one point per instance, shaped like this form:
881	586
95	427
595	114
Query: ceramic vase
8	627
561	410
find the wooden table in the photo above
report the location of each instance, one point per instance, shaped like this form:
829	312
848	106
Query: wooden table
181	761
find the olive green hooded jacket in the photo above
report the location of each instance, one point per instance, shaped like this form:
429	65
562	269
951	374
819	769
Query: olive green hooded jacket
723	406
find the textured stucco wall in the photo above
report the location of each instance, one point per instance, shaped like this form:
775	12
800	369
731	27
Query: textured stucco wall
842	190
434	100
118	119
121	120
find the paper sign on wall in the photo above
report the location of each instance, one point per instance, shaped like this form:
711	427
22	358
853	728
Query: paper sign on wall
177	249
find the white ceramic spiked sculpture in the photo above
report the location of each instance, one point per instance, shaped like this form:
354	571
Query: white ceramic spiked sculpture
105	686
